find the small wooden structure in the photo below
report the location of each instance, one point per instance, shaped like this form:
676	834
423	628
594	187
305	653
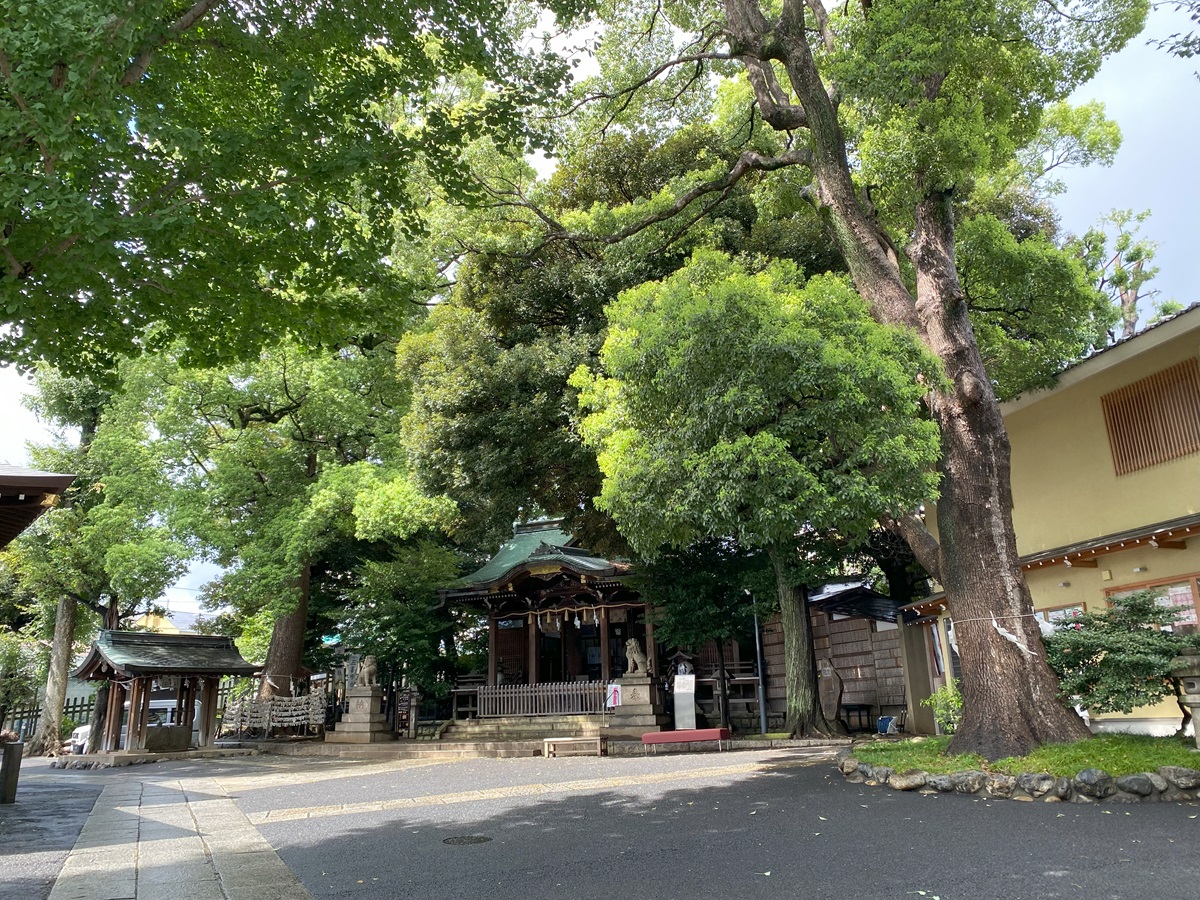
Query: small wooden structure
131	661
24	495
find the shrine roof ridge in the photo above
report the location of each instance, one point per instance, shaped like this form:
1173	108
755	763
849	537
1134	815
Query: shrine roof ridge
139	653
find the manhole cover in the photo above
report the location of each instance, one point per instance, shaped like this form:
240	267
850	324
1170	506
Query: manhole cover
467	839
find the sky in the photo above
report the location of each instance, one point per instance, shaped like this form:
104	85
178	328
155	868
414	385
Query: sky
1154	97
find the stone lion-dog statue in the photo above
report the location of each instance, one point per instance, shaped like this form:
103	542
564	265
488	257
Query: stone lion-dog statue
368	673
637	658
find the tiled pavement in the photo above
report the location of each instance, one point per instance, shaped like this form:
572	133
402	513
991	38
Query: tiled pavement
183	840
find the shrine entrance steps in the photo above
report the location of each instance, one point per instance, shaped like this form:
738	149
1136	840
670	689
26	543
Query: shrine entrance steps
523	728
514	736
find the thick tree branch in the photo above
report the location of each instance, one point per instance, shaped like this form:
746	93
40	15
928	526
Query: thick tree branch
777	109
821	18
920	540
136	70
750	161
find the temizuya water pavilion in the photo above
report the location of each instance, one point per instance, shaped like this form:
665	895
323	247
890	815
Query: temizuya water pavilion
133	661
559	621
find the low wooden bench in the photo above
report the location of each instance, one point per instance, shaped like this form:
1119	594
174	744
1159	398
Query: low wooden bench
574	746
685	736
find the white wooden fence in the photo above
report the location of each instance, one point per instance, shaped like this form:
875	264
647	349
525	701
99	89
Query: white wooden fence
571	698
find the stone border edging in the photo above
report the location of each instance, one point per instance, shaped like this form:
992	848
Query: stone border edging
1172	784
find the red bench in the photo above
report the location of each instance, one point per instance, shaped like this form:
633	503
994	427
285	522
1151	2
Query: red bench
685	736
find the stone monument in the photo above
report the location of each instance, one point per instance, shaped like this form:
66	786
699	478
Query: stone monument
641	700
362	723
829	689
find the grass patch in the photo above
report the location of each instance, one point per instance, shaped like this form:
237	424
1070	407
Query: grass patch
1117	754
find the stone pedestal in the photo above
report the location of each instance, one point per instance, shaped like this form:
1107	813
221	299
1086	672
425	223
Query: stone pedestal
640	710
362	723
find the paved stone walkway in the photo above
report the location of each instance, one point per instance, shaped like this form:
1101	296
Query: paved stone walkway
181	840
155	838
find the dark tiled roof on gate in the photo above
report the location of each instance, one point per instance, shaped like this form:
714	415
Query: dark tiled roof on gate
537	543
138	653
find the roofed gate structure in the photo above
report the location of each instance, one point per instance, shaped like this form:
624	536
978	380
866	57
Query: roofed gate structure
131	661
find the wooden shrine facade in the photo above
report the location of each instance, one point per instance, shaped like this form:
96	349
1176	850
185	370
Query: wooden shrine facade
556	613
133	661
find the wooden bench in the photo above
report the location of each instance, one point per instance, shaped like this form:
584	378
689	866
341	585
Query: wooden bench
685	736
574	746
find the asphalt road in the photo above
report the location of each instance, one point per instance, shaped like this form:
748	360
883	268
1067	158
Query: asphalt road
38	831
678	827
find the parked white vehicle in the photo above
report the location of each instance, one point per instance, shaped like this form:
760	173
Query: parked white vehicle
162	712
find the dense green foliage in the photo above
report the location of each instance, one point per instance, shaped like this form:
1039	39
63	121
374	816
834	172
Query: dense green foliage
755	405
493	416
1119	659
707	591
287	471
226	172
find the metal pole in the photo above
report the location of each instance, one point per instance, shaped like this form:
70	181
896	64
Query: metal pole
758	660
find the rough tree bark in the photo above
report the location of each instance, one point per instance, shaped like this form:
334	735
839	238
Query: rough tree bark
804	713
47	738
285	653
1009	692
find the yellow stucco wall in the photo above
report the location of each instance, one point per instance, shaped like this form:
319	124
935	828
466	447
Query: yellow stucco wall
1064	486
1065	490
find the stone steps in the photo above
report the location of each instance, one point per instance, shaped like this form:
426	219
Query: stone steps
412	749
520	728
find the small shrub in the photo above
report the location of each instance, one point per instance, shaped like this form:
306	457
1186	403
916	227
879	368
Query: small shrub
946	703
1119	659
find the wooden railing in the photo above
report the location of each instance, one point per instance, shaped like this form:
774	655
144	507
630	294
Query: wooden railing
572	698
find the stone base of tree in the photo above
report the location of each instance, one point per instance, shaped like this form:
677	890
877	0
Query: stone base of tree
1169	783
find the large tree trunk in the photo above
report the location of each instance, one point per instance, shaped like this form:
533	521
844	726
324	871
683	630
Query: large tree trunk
285	653
47	738
804	714
1009	692
99	720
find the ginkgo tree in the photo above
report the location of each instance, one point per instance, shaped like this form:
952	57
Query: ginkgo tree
208	169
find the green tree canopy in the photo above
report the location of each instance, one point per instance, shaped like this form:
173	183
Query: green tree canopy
214	169
276	465
883	115
757	407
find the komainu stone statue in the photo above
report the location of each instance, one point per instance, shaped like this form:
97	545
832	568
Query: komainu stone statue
368	673
636	657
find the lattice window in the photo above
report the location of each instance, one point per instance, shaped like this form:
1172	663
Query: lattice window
1155	419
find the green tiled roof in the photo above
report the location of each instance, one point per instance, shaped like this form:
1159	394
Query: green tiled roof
536	543
146	653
